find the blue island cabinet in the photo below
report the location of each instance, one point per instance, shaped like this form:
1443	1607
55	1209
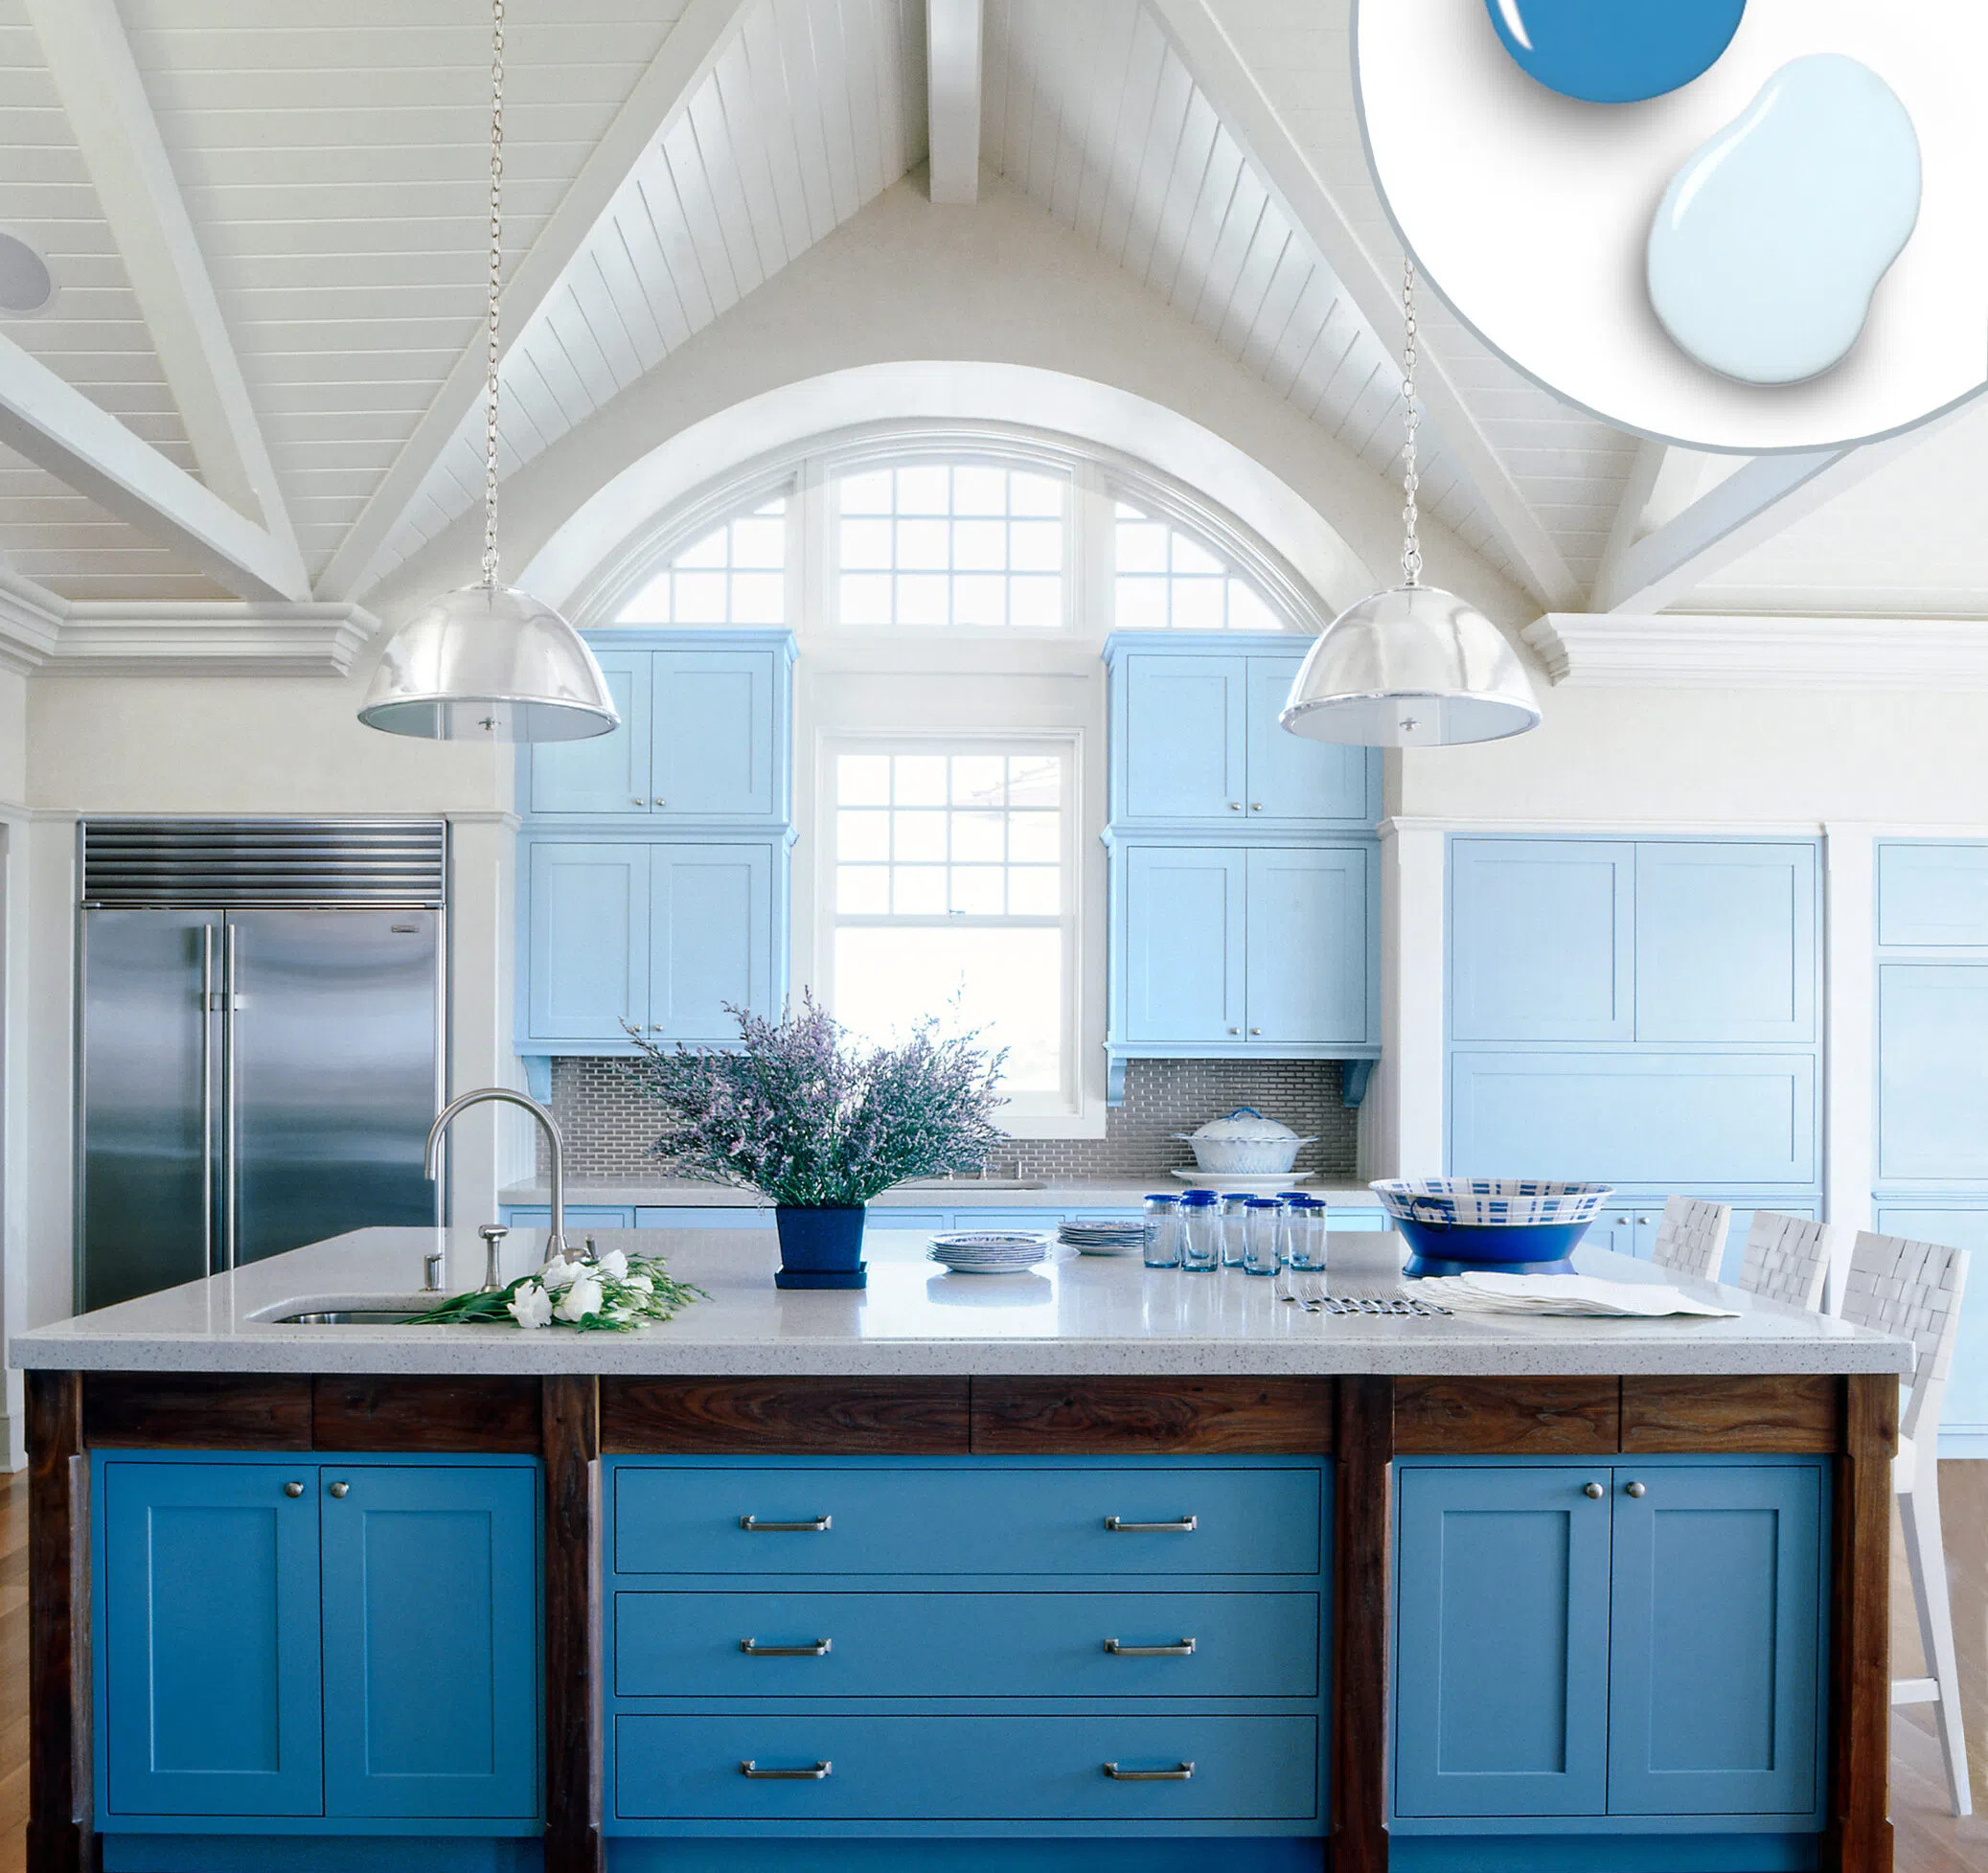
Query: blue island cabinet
317	1645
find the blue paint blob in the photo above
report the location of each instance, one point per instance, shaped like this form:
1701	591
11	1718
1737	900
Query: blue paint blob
1615	52
1770	241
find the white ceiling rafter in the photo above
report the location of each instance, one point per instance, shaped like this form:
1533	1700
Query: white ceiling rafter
105	99
1219	67
658	101
955	30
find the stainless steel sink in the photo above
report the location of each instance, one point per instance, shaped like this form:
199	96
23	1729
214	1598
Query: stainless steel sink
349	1317
970	1183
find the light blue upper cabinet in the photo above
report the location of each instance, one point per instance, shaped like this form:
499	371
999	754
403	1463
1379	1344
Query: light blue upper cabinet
711	938
431	1674
1933	895
1291	777
586	939
1308	949
1932	1072
208	1678
1182	926
714	733
1725	942
605	773
1183	731
1541	940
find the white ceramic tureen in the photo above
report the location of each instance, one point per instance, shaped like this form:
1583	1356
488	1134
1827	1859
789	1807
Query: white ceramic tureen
1244	1143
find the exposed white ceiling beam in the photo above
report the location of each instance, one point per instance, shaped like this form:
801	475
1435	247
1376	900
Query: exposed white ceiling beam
57	426
659	97
952	35
110	115
1231	87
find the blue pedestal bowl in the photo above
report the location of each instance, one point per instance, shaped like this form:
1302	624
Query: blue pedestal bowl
1504	1225
1501	1248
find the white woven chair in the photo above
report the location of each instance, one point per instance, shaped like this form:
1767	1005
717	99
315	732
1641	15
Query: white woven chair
1913	1289
1691	1235
1788	1258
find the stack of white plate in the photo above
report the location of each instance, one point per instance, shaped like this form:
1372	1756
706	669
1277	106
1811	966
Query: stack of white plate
1103	1235
988	1251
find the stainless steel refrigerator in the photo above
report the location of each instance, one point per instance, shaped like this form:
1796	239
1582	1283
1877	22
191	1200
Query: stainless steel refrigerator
260	1041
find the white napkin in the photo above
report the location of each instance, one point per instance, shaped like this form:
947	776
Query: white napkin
1577	1294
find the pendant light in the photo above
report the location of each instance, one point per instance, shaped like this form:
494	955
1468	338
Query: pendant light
1414	666
490	663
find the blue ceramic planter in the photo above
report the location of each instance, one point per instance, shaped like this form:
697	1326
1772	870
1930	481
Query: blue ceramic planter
1498	1248
820	1248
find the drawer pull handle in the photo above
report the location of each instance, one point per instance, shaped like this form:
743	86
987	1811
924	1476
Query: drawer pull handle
1186	1525
1184	1773
752	1772
1184	1649
753	1648
816	1525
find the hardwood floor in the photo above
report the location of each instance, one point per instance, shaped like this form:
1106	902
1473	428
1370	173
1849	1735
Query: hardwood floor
1930	1839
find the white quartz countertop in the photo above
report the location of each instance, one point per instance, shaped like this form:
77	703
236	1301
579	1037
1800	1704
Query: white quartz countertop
1073	1316
962	1193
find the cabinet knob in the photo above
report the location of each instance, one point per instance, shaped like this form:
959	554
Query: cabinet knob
1593	1492
1256	805
1256	1030
1235	806
341	1490
638	800
293	1490
1637	1491
1235	1030
661	802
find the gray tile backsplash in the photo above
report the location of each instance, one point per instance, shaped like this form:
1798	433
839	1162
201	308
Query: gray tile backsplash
609	1126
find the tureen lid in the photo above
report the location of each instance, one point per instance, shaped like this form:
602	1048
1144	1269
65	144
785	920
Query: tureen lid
1245	1125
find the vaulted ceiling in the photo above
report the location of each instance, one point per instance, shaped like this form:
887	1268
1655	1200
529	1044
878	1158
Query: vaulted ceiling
261	376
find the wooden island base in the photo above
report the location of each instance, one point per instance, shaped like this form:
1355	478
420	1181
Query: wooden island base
572	1423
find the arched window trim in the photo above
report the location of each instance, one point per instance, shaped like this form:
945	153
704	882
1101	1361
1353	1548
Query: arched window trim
787	471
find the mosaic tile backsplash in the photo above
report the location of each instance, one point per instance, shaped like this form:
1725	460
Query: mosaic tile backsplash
610	1127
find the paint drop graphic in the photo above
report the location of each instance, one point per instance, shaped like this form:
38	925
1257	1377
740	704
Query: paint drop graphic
1615	52
1770	241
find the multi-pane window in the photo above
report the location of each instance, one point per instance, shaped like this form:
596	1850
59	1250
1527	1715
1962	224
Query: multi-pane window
951	899
735	575
949	544
1168	581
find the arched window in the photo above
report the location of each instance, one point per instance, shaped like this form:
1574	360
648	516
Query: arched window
735	575
1164	578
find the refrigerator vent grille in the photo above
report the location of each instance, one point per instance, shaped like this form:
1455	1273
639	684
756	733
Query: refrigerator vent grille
201	863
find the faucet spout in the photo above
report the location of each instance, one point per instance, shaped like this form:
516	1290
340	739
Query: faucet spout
555	1236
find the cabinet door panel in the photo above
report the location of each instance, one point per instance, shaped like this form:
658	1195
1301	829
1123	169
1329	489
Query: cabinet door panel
1289	776
1932	1071
1712	1705
605	773
1183	924
710	938
1503	1644
1965	1407
588	933
210	1674
1185	735
1543	940
431	1683
1933	896
1725	942
1308	975
714	733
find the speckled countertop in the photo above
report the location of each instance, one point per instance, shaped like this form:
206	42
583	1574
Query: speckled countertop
1073	1316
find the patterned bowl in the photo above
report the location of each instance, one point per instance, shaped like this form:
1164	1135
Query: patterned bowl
1489	1202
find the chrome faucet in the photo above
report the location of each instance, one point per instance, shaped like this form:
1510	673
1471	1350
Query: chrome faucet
555	1236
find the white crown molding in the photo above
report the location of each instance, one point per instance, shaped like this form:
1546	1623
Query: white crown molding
1705	651
40	631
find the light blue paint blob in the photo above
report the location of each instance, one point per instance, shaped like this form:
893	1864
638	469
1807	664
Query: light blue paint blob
1615	53
1770	241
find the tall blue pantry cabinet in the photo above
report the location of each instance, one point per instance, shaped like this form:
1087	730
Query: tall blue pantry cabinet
653	860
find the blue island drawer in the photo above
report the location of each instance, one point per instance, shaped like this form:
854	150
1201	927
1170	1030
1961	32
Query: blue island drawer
996	1770
965	1518
966	1645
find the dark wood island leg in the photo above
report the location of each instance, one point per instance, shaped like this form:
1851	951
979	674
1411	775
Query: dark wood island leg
61	1835
1361	1512
571	1409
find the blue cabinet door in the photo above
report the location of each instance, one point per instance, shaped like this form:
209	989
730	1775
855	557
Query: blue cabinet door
1716	1641
1292	777
1541	940
587	933
1965	1407
1501	1678
710	938
1933	895
431	1677
715	729
1725	942
1932	1072
1309	979
1185	733
210	1674
606	773
1183	923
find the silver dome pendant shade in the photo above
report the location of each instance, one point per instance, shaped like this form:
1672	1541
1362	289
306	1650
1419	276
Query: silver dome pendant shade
486	662
1411	667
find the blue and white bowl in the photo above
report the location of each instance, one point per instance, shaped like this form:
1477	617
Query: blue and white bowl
1515	1225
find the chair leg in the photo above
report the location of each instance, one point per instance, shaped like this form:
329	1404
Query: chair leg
1920	1513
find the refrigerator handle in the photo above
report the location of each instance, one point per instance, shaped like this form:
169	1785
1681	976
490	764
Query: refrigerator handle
229	1193
207	1008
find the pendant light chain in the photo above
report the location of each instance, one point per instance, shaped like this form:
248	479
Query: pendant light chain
1412	481
490	430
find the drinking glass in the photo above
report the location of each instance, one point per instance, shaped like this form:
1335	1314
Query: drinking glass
1260	1255
1304	1237
1200	1232
1235	1210
1162	1232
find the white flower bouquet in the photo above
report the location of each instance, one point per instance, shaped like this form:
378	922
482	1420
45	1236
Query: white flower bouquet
608	1294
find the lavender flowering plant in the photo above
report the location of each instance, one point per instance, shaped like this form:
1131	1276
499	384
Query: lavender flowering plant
804	1113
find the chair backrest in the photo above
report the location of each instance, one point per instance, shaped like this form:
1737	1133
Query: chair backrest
1691	1235
1913	1289
1787	1259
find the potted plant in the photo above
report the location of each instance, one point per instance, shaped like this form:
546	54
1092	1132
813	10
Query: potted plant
817	1123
